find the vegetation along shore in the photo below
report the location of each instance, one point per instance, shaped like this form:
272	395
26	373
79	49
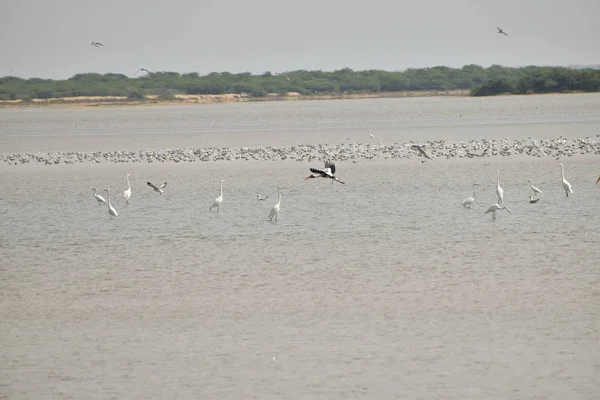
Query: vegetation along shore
173	87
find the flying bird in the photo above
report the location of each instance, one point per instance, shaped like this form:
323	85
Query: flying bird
501	31
470	200
420	149
218	200
97	44
141	69
112	213
499	190
532	200
127	193
274	213
598	180
495	207
535	189
372	136
100	199
284	75
327	172
566	185
157	189
258	197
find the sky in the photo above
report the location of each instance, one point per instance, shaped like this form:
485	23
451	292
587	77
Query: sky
52	38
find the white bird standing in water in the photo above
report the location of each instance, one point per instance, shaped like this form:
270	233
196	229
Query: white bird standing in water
218	200
470	200
275	210
566	185
535	190
112	213
127	193
157	189
100	199
499	190
495	207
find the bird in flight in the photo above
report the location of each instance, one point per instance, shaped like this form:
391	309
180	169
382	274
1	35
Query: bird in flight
501	31
259	197
420	149
284	75
141	69
97	44
372	136
598	181
327	172
157	189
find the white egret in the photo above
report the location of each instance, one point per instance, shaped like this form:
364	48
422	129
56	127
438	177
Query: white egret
218	200
499	190
275	210
328	172
495	207
112	213
100	199
470	200
156	188
566	185
535	190
127	193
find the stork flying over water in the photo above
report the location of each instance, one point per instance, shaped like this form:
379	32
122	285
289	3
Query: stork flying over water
327	172
157	189
97	44
501	31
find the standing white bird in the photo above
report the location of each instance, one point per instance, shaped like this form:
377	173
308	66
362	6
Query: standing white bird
100	199
535	190
218	200
275	210
495	207
258	197
157	189
499	190
470	200
112	213
127	193
328	172
566	185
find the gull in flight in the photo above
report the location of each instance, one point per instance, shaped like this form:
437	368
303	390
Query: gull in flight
284	75
258	197
97	44
327	172
157	189
501	31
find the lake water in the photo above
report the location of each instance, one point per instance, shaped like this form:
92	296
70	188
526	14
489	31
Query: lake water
381	288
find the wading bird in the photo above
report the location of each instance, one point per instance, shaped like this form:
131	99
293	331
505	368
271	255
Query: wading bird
327	172
501	31
258	197
470	200
157	189
112	213
495	207
499	190
218	200
274	213
566	185
127	193
100	199
532	200
535	190
97	44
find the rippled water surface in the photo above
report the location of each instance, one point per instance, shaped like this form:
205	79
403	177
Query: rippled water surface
381	288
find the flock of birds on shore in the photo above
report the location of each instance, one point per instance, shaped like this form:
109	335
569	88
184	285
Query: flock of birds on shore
329	173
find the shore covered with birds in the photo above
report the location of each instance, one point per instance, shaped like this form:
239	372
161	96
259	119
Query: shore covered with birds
428	150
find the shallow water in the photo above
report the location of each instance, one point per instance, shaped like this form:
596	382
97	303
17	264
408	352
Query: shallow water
381	288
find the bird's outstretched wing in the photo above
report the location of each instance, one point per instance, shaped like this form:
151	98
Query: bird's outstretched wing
152	185
331	167
318	171
163	185
417	147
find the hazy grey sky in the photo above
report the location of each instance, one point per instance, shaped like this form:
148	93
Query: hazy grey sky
52	38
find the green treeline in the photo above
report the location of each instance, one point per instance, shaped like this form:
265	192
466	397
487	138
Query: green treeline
480	81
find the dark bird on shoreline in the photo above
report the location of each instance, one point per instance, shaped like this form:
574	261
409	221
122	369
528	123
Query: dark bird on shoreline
97	44
420	149
532	200
328	172
501	31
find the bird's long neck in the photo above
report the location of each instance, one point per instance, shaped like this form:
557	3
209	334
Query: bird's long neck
128	184
221	189
562	171
108	193
498	181
279	192
474	190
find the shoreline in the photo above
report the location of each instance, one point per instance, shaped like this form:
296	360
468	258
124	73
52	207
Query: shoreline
181	99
